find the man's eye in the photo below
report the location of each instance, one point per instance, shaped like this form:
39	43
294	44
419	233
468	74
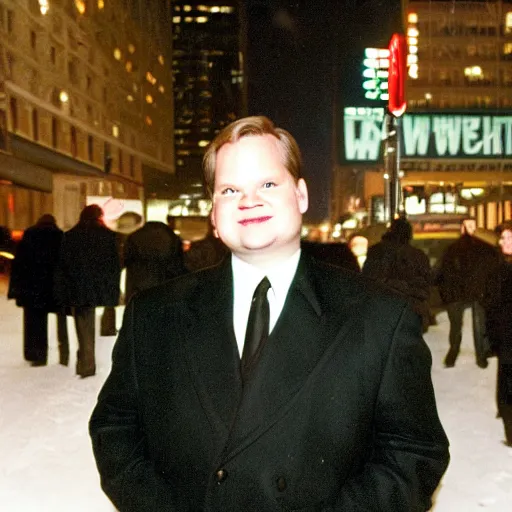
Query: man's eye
269	184
228	191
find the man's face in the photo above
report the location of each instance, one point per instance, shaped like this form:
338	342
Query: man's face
257	206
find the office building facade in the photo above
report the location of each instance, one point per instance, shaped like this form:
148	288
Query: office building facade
86	107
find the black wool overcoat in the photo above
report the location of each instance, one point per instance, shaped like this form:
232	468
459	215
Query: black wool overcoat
339	414
89	271
33	268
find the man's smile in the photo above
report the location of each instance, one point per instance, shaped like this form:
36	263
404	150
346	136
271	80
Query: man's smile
254	220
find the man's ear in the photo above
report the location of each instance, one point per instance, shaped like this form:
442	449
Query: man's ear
212	221
302	196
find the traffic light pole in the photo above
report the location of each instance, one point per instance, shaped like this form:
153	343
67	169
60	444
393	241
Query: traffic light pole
392	168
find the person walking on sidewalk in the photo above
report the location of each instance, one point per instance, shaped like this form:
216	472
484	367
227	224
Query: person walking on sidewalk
31	284
88	275
462	276
402	268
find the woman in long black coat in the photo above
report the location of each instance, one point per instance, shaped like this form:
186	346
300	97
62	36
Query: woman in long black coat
31	285
88	276
499	327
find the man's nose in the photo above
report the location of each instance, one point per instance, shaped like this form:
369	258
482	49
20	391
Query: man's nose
249	199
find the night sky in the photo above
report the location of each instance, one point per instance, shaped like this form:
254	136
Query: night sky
304	64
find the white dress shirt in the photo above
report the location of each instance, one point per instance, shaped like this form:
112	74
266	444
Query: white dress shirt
245	280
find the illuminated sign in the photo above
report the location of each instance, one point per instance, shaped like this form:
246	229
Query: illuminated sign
443	136
375	73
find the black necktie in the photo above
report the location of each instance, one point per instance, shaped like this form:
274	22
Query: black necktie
257	328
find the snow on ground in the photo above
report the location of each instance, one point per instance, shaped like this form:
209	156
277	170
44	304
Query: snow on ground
46	462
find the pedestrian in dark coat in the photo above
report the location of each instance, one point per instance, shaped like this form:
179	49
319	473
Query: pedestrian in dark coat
31	285
152	255
402	268
88	275
499	327
462	276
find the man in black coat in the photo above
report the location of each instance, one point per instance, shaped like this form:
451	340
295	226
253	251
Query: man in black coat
31	285
462	276
334	411
402	268
88	275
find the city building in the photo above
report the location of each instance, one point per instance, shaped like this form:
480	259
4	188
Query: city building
456	135
86	106
209	87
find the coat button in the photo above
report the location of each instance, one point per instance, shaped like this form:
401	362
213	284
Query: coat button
281	484
221	475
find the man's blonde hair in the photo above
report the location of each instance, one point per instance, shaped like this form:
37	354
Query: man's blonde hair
247	127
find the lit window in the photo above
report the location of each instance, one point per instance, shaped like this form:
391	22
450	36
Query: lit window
202	19
473	71
150	78
117	54
413	32
101	4
161	59
187	8
128	66
176	19
203	143
161	88
215	8
226	9
43	6
188	19
507	48
131	48
149	98
149	121
177	8
80	6
115	131
129	98
413	49
202	8
63	97
508	22
412	40
412	18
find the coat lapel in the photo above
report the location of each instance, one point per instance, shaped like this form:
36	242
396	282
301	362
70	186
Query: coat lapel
304	336
211	348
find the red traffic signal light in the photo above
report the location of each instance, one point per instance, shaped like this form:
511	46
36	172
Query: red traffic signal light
397	74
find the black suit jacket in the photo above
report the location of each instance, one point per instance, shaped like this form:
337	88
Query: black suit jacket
339	415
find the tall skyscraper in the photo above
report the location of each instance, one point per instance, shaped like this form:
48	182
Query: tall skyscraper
209	79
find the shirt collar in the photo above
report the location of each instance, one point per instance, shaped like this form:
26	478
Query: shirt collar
280	275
